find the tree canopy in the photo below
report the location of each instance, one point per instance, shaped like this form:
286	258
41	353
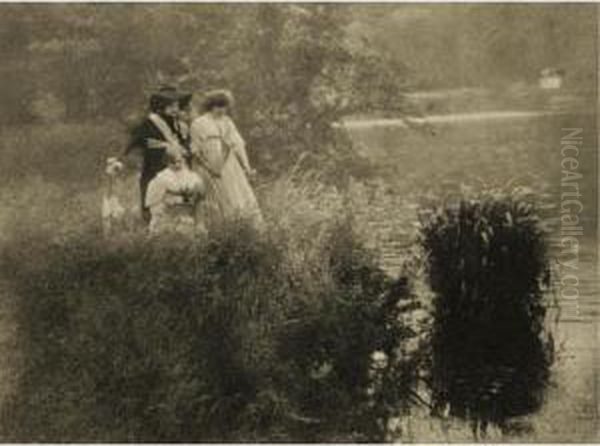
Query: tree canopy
446	46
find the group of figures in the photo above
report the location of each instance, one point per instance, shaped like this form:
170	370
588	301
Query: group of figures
195	167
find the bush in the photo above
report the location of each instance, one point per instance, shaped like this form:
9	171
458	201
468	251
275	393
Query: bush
488	267
151	340
351	365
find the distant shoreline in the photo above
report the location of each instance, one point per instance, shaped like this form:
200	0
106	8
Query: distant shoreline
446	118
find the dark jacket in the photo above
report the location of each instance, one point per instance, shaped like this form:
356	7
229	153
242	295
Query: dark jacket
154	159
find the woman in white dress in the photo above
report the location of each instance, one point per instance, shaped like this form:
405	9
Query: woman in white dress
220	155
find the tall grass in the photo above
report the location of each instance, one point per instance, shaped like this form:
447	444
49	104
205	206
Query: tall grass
275	335
488	267
293	333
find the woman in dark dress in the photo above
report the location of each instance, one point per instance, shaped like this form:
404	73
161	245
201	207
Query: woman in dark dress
160	132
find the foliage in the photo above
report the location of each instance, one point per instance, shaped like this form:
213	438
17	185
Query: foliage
454	46
360	385
292	68
488	268
221	339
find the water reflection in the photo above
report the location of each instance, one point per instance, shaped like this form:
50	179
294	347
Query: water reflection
419	167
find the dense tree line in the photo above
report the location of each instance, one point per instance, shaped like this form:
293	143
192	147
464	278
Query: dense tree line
446	46
93	60
294	69
99	59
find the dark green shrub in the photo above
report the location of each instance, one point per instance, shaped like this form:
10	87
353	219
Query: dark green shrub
212	340
488	267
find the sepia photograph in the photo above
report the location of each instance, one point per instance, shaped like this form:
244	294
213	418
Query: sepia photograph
299	223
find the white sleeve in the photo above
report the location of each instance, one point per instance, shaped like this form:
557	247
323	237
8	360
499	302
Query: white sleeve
238	144
198	134
156	192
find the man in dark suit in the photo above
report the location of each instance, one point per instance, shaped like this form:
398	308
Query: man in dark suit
159	133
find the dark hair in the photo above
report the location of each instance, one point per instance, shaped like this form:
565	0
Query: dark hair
218	98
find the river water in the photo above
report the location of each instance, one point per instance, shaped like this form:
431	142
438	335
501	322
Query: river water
449	155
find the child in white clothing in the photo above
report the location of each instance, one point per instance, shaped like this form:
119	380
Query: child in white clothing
173	197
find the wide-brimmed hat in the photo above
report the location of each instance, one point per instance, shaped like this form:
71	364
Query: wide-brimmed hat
168	94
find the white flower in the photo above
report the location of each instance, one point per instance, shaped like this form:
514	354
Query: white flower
379	359
113	166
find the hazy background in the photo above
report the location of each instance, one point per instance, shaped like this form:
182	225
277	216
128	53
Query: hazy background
97	60
437	98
